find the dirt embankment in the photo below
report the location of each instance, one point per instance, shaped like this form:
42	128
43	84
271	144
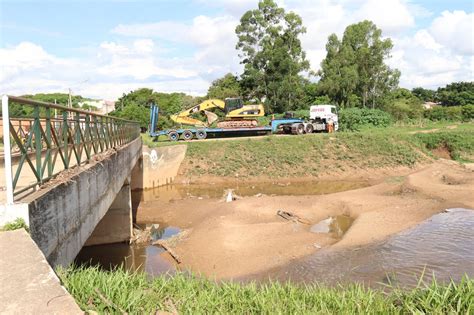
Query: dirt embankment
228	240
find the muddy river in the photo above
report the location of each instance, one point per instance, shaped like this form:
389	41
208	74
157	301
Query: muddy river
442	245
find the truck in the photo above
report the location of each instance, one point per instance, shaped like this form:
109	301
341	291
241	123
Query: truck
321	118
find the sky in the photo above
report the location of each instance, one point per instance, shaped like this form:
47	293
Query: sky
103	49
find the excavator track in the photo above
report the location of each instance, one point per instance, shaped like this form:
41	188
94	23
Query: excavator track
234	123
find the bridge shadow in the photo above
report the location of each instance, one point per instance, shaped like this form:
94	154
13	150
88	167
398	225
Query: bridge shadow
137	187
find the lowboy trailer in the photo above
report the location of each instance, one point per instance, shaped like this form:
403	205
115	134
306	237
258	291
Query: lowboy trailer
296	126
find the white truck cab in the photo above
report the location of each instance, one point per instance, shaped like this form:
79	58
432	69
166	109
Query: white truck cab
321	115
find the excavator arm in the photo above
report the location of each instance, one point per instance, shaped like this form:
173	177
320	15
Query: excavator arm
183	117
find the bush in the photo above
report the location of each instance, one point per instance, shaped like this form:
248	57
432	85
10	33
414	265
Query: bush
353	119
467	112
442	113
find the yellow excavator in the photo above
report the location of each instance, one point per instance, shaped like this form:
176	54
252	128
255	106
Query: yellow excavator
236	113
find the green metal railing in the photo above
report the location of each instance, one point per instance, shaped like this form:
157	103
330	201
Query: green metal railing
54	138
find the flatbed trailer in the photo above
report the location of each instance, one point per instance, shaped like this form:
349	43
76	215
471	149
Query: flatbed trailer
200	133
295	126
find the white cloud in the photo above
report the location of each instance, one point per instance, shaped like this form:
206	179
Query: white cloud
455	30
188	55
391	16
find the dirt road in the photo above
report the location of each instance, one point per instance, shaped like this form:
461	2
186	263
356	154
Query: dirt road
229	240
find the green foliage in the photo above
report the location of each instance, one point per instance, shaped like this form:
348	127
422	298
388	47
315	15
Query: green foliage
354	119
460	144
19	223
354	71
119	291
59	98
227	86
467	112
135	106
18	110
456	94
134	112
402	105
425	95
268	39
440	113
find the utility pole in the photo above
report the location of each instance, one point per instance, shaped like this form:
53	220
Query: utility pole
70	102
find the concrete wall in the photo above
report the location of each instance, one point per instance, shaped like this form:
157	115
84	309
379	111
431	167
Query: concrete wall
158	166
63	216
117	224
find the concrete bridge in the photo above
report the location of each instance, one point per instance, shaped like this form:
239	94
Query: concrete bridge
71	177
68	174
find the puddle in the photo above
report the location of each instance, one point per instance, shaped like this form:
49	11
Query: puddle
442	245
153	260
176	192
337	225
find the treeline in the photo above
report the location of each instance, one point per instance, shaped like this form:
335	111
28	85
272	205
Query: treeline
18	110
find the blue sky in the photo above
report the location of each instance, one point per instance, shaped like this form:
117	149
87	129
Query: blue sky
102	49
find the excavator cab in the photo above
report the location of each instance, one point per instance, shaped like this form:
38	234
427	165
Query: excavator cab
233	103
235	108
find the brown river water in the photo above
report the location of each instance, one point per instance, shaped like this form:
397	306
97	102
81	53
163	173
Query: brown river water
442	245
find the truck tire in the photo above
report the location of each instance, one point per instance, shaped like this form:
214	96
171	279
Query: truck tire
187	135
309	128
201	134
297	129
173	135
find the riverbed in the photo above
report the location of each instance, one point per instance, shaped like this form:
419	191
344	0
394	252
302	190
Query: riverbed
391	231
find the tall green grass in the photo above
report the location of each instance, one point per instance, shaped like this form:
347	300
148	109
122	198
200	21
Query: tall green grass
120	291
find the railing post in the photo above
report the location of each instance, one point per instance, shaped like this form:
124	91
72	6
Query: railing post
49	142
65	139
38	143
7	150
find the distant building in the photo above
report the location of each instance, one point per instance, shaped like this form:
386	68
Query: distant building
103	106
429	105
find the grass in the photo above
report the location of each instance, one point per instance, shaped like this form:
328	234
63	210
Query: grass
315	154
19	223
120	291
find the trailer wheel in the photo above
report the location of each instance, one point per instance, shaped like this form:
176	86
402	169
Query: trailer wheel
187	135
201	134
297	129
173	136
309	128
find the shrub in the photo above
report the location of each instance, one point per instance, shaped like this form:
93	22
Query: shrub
441	113
467	112
353	119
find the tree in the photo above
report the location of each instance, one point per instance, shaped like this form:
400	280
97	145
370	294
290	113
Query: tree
456	94
425	95
134	105
270	49
402	104
354	69
227	86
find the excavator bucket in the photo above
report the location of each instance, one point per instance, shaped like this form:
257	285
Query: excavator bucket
211	117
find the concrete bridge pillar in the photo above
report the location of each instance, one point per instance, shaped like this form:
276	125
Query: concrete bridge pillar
117	224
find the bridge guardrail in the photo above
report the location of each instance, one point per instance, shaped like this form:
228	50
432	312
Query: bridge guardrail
51	138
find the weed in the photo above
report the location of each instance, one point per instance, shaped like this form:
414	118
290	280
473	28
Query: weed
19	223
